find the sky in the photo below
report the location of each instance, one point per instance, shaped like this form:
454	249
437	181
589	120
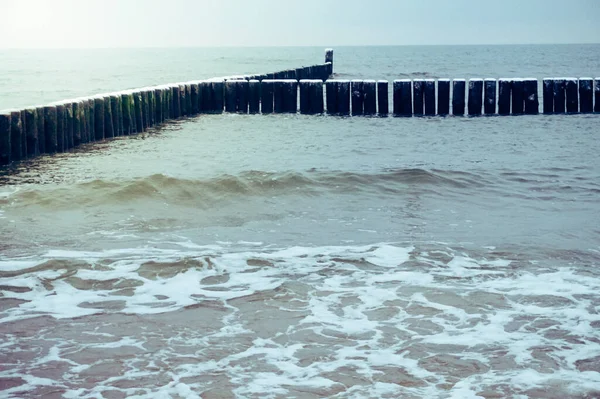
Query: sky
200	23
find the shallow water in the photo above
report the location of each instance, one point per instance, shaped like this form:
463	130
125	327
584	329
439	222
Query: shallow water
306	257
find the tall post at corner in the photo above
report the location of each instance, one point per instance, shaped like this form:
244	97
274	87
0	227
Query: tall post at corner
329	59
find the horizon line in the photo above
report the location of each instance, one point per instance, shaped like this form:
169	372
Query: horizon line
296	46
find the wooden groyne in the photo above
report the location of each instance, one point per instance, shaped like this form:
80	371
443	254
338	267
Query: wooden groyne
64	125
61	126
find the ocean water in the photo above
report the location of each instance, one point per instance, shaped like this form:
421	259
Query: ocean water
291	256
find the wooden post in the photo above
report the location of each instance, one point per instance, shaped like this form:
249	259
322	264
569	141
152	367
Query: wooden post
182	101
77	122
278	93
99	118
167	103
518	97
443	103
91	120
597	95
418	97
303	86
343	97
175	102
402	97
331	90
475	96
60	126
138	112
458	97
69	126
358	97
230	96
290	99
109	131
188	99
370	98
429	96
383	100
548	95
586	95
571	94
217	92
266	96
5	138
23	135
532	102
151	107
504	90
195	99
559	96
158	96
489	101
41	133
50	128
329	59
115	106
31	134
242	87
315	94
254	96
128	121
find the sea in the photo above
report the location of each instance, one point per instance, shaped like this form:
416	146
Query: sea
294	256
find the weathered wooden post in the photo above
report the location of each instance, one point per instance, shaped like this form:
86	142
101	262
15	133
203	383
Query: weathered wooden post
443	103
518	97
358	97
475	96
50	127
128	117
188	99
5	138
315	93
548	95
175	102
182	101
167	103
559	96
23	135
60	126
217	93
429	96
331	97
329	59
530	91
242	87
152	106
117	119
586	95
402	97
290	99
343	97
458	97
194	89
41	134
158	96
571	94
383	99
303	87
278	93
69	125
31	126
91	120
137	113
77	121
254	96
230	96
266	96
489	101
370	98
504	90
418	97
109	131
99	118
597	95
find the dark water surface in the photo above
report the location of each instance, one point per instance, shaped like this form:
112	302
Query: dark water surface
304	257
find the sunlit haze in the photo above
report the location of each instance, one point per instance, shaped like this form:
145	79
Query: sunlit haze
186	23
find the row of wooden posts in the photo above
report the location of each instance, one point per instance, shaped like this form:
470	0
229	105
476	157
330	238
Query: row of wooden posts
64	125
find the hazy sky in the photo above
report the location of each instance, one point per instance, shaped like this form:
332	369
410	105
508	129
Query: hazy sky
183	23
